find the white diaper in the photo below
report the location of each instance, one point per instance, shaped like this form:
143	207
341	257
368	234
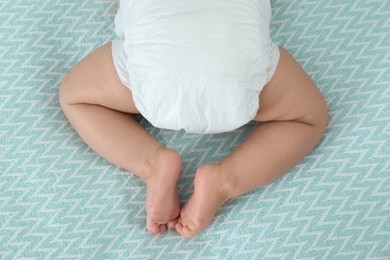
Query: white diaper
195	65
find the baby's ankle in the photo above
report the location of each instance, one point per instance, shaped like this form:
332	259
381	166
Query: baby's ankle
160	162
229	181
219	177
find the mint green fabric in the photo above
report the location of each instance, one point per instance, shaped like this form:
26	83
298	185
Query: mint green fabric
59	200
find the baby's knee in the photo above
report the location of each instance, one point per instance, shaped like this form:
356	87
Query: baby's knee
67	90
319	115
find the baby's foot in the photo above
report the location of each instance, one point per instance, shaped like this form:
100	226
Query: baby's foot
209	195
162	200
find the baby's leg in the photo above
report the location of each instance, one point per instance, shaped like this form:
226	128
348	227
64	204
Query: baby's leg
294	116
98	106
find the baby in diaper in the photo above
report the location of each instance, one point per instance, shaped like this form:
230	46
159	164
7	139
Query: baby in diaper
195	65
205	66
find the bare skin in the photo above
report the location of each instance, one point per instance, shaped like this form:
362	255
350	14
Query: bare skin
100	108
294	116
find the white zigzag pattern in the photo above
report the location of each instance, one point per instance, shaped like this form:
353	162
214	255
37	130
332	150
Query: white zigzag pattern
58	200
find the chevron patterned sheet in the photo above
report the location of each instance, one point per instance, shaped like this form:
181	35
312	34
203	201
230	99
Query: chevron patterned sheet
59	200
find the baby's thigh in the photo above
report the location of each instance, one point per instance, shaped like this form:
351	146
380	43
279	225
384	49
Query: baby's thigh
94	81
291	95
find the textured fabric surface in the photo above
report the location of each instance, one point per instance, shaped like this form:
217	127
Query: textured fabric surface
58	200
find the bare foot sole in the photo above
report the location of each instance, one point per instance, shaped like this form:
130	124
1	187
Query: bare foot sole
162	200
207	198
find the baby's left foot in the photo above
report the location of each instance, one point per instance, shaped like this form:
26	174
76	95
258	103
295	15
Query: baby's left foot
209	195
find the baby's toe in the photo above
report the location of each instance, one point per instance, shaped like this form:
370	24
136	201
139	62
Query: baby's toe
185	231
187	228
172	224
155	228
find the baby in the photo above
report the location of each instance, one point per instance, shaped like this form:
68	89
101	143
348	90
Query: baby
134	75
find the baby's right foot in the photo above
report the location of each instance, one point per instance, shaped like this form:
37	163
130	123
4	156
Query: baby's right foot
209	194
162	200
